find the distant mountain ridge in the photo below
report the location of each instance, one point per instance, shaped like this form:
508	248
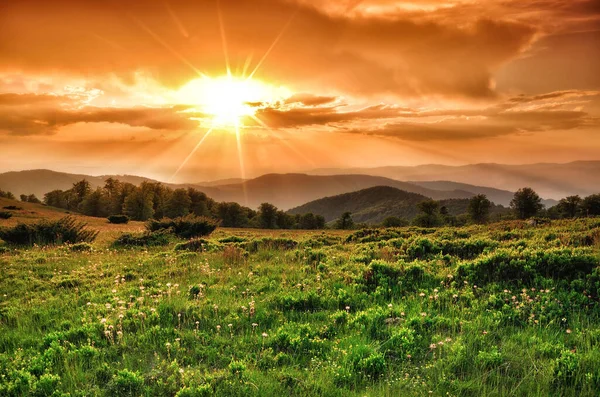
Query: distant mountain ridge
549	180
283	190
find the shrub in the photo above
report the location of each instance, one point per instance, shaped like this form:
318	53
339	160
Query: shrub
233	255
126	383
197	245
199	391
81	247
65	230
151	239
118	219
186	227
12	208
5	215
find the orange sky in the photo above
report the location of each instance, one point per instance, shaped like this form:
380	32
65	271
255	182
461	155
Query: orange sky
104	86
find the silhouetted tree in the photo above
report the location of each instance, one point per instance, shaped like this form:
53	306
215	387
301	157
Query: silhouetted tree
200	205
429	216
178	204
285	221
591	205
138	205
7	195
232	215
345	222
267	216
56	198
526	203
394	221
96	203
569	207
479	208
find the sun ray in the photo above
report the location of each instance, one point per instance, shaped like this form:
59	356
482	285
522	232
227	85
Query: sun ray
279	36
223	37
191	154
241	161
168	47
177	21
285	142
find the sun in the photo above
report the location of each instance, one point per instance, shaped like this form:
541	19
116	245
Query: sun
229	99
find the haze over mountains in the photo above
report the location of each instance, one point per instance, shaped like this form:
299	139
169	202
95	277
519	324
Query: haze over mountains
287	191
549	180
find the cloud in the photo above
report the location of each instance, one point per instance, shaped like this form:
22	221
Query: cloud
306	116
310	99
402	54
553	111
518	115
31	114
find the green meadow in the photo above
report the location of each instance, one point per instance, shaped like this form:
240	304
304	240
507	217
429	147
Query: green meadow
507	309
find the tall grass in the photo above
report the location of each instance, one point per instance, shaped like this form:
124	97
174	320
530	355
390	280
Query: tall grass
379	314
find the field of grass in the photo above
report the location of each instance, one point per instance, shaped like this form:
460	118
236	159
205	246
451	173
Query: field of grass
507	309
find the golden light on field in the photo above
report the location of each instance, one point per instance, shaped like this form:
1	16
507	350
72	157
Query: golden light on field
228	99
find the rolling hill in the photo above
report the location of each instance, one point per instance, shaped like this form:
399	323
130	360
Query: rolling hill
373	205
290	190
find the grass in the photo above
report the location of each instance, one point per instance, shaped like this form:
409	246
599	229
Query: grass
403	311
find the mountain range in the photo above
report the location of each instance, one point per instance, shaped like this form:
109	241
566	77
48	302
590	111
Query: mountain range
549	180
288	191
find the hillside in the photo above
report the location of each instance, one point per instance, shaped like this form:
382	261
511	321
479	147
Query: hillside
497	196
31	213
290	190
549	180
374	204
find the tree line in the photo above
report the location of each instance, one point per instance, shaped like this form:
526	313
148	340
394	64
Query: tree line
526	204
152	200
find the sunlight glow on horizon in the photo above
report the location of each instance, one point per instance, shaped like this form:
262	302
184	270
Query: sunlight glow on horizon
227	99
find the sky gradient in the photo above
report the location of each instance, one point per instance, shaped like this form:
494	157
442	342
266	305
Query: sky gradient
104	87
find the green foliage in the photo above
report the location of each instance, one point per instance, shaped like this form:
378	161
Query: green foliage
126	383
505	308
7	195
185	227
63	231
198	245
5	215
394	221
526	203
118	219
345	222
149	239
479	208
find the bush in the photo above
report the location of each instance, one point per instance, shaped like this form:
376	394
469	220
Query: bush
197	245
118	219
65	230
126	383
81	247
12	208
151	239
185	227
5	215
